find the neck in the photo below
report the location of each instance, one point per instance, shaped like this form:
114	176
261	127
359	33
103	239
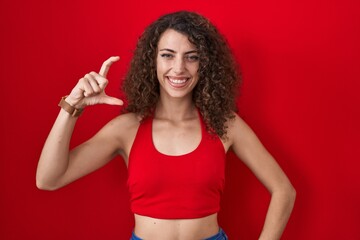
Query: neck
175	109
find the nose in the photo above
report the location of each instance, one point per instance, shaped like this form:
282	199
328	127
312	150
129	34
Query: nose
179	65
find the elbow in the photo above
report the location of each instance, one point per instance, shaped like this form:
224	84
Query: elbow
43	185
291	191
292	198
291	194
287	192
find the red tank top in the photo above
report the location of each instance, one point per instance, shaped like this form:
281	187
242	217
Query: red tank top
175	187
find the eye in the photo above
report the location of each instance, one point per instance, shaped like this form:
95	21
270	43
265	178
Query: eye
166	55
192	58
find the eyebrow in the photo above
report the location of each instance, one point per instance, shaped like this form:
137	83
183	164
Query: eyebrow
170	50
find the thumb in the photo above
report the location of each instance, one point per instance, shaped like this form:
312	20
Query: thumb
111	100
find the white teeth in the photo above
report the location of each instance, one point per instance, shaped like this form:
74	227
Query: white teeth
177	81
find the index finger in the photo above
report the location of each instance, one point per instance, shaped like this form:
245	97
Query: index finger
106	65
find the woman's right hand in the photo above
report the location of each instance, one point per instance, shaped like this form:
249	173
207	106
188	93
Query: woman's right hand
90	89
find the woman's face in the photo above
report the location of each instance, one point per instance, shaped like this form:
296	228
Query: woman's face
177	64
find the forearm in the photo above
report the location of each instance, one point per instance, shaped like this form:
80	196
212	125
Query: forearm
54	158
279	211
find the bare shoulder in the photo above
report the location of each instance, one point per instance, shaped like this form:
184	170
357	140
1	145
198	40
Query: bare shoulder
123	126
125	121
117	129
236	126
122	130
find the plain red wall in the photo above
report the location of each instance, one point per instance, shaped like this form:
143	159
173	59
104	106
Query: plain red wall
301	70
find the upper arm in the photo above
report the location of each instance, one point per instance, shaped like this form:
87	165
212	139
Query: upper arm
98	150
247	146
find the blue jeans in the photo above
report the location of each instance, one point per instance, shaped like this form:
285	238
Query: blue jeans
221	235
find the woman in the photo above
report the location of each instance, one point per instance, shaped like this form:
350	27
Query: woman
179	123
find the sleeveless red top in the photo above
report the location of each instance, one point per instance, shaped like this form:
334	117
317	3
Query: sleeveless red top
175	187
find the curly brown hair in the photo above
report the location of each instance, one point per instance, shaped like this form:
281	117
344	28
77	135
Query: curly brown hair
215	93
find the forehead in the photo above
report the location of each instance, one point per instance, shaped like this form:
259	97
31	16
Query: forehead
176	41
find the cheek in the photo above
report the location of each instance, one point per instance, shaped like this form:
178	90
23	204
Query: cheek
194	69
160	69
161	66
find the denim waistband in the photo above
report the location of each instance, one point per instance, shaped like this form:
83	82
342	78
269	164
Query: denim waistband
134	237
221	235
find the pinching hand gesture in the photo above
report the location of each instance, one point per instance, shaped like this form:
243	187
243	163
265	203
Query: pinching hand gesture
90	90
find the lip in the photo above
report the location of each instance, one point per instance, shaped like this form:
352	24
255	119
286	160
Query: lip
178	81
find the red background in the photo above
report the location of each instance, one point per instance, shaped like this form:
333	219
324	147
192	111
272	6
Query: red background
301	67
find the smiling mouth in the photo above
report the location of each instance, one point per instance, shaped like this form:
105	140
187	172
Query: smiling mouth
177	82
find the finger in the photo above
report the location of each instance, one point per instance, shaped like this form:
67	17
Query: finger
106	65
102	82
93	83
88	91
111	100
